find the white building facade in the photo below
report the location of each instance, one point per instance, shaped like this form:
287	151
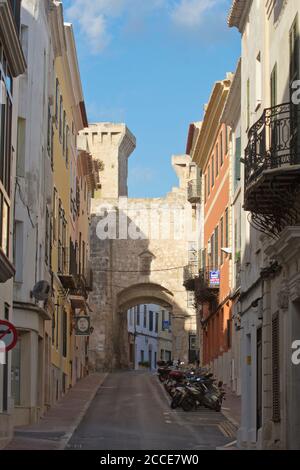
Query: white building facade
34	179
143	321
270	276
12	65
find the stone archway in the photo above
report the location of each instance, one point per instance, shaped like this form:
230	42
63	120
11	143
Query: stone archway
138	294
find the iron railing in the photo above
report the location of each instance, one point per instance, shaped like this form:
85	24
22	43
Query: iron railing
273	142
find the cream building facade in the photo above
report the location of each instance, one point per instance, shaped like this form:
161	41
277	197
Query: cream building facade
269	299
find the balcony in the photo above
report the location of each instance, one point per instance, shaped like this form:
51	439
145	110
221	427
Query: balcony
77	283
272	164
207	286
194	191
190	273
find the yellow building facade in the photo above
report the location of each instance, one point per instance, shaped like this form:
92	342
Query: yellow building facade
74	183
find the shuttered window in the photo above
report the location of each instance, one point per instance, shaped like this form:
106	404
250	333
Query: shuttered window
276	368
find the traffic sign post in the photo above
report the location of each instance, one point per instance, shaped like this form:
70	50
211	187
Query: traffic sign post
8	335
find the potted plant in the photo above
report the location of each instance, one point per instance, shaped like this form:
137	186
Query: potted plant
144	365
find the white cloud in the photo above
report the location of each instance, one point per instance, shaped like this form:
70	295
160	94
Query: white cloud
94	17
190	13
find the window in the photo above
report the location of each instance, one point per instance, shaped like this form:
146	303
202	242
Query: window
226	140
156	323
294	51
21	147
258	80
53	328
208	180
57	101
150	321
142	356
205	188
54	214
221	148
49	131
18	250
64	132
227	228
229	333
274	86
248	103
60	118
67	144
217	159
216	260
276	368
162	319
4	225
212	250
138	316
145	316
237	163
65	334
213	171
6	91
16	9
57	328
47	237
222	239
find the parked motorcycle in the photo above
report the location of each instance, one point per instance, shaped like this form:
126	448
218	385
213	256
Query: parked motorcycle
192	388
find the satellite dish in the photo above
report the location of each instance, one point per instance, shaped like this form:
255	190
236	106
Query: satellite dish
41	290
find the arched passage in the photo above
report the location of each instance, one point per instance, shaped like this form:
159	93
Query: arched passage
138	294
145	293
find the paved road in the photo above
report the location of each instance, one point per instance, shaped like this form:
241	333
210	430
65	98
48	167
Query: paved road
131	411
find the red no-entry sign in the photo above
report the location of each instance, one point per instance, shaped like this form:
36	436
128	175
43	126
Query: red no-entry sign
8	335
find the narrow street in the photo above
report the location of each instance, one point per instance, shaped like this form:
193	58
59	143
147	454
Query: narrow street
131	411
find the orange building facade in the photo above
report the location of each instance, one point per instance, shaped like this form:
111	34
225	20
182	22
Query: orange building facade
213	286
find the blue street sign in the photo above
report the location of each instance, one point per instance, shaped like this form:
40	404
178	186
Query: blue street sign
214	278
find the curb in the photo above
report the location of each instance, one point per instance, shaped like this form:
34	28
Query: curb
72	429
230	418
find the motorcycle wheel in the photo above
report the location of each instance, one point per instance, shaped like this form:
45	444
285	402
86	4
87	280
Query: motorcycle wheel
174	403
161	378
187	404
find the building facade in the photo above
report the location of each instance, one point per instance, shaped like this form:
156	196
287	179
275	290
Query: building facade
269	298
212	284
12	66
68	214
149	335
34	179
231	117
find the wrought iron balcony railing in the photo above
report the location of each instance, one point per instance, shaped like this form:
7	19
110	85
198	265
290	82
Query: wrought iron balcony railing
272	142
207	285
272	164
194	191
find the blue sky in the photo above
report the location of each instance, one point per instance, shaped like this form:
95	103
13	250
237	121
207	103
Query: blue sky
152	64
